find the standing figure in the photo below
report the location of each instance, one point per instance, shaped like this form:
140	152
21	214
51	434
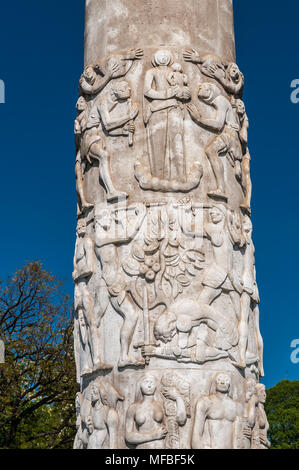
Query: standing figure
145	419
246	179
84	306
249	303
164	118
226	73
227	141
215	415
106	241
260	432
104	418
79	129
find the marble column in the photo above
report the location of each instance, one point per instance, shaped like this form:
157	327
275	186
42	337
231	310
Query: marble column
167	342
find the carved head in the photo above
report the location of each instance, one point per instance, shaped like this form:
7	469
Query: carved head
89	73
217	213
81	104
247	227
250	388
148	385
234	71
207	92
222	382
261	393
121	90
177	68
81	227
240	106
165	327
162	57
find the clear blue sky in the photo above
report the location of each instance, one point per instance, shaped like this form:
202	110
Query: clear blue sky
41	58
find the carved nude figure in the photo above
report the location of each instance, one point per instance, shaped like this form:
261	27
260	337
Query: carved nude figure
246	179
260	432
117	111
106	241
84	305
249	302
226	73
227	141
79	129
215	415
103	418
145	419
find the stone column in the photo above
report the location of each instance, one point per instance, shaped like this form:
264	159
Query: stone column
167	341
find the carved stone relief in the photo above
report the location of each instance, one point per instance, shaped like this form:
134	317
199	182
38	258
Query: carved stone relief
165	283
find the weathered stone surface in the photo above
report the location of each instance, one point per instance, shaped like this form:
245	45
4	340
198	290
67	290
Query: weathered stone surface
167	340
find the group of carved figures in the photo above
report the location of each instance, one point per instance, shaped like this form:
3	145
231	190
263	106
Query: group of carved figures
167	99
162	407
165	264
168	250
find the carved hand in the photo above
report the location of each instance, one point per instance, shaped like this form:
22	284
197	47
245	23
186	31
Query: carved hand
134	54
161	433
247	431
194	112
192	56
174	91
148	350
115	68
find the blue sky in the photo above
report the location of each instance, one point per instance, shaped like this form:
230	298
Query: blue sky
41	59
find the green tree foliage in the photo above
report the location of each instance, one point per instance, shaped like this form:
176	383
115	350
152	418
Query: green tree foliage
37	380
282	408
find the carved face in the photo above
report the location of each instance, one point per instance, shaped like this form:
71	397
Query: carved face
177	68
216	215
223	382
122	91
165	327
205	91
261	393
81	228
95	394
162	58
89	73
240	107
234	72
81	104
148	385
250	388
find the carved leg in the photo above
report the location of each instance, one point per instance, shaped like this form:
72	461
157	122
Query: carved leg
157	142
99	153
243	328
259	339
80	187
212	153
208	295
247	184
128	311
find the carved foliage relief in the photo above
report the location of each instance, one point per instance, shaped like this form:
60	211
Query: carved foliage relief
167	342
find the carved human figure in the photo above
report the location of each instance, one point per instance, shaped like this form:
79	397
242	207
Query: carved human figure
116	110
260	432
104	418
87	326
84	428
180	319
215	415
246	179
145	420
249	302
226	73
223	233
164	93
227	142
78	444
93	146
79	129
96	76
106	241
